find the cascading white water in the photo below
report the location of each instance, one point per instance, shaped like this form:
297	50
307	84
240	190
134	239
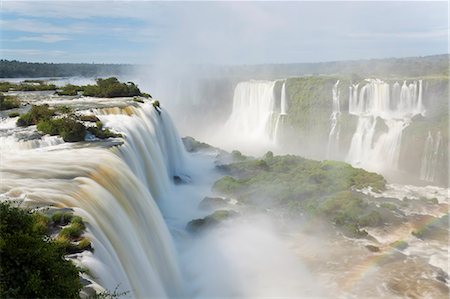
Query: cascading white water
253	110
152	148
283	105
430	157
133	248
258	113
392	107
335	126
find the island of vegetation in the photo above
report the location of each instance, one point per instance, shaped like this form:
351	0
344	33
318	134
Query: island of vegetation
104	88
329	189
61	121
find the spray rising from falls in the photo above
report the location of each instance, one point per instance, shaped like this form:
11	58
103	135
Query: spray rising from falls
115	190
258	113
430	157
379	104
335	125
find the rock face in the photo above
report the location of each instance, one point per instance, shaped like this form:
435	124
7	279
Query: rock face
193	145
209	221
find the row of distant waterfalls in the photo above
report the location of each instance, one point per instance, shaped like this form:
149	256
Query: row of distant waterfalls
393	106
260	110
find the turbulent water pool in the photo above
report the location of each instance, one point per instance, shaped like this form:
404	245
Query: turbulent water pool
138	192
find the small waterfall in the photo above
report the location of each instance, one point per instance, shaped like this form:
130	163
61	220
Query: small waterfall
116	191
335	126
377	103
281	120
430	157
283	105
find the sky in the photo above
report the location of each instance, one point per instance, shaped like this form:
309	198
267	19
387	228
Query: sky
220	32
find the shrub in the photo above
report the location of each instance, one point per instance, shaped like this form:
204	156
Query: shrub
5	86
40	225
101	133
62	218
36	114
30	266
8	102
85	244
110	88
69	90
13	114
42	86
68	128
72	231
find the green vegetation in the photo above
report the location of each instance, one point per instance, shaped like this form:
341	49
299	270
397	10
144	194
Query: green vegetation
32	265
8	102
18	69
69	90
36	114
102	133
27	85
110	88
68	128
193	145
62	218
320	188
210	220
13	114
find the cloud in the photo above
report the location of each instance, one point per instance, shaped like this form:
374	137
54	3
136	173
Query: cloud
32	52
44	38
32	26
231	32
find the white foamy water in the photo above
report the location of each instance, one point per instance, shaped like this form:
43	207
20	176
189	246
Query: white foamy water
133	247
394	107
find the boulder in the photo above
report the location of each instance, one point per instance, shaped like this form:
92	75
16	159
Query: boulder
209	221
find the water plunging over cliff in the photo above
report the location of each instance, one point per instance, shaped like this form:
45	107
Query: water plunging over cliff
258	113
430	157
115	191
335	125
377	104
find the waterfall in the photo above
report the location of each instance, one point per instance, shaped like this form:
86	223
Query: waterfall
152	149
253	110
257	114
376	103
430	157
115	191
283	105
335	126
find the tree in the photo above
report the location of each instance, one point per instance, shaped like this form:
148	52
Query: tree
31	264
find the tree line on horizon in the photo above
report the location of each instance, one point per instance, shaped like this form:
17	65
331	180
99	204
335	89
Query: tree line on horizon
404	67
20	69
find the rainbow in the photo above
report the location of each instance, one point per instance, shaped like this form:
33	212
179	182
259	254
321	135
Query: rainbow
365	267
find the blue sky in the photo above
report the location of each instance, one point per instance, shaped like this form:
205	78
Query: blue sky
220	32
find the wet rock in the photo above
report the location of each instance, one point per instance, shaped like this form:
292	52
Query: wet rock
209	221
442	276
178	180
373	248
400	245
193	145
